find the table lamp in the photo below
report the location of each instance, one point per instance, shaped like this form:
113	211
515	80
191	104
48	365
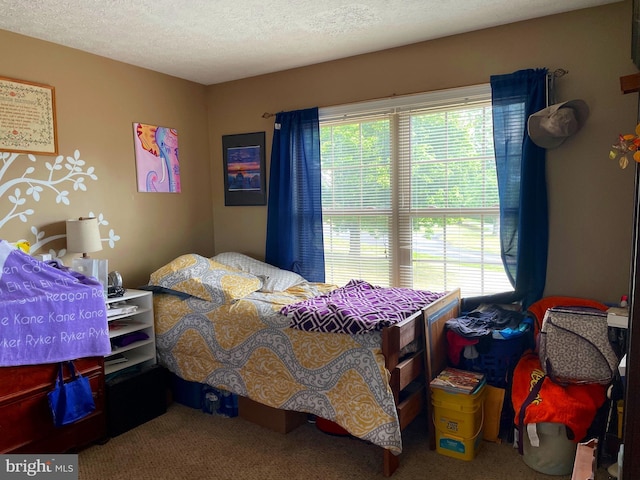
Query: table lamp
83	236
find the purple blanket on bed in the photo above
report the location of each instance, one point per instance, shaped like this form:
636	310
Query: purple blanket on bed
48	314
357	307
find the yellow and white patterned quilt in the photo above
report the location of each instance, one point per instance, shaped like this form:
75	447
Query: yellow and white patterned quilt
246	346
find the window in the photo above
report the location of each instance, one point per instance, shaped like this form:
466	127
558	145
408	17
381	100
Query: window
409	193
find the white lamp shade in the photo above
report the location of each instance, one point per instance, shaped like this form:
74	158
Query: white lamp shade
83	235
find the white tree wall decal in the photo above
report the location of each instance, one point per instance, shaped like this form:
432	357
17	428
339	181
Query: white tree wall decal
59	173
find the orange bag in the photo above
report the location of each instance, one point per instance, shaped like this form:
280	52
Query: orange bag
573	405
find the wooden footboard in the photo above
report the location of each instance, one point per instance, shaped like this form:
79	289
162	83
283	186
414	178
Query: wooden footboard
435	317
415	352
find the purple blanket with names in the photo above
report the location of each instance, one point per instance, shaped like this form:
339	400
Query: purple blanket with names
48	314
357	307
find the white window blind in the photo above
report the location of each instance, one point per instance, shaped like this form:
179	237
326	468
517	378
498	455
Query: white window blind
409	193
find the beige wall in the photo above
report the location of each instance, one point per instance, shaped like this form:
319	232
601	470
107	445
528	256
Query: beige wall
98	100
590	197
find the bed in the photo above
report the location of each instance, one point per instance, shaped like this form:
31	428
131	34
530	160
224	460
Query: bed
218	322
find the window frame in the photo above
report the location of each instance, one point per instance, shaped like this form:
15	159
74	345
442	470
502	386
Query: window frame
401	211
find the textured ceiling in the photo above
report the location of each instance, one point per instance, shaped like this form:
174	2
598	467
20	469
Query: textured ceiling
213	41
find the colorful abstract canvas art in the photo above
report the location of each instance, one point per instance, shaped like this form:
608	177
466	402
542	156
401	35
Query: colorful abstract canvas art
157	163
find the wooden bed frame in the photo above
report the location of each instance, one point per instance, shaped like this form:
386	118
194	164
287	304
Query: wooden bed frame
411	374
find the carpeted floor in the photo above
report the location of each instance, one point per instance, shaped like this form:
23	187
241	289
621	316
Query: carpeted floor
186	444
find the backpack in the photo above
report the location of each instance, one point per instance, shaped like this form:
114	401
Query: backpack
574	346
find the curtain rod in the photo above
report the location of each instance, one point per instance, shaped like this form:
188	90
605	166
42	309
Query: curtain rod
551	76
393	95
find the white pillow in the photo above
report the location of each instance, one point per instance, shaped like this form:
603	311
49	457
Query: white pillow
274	279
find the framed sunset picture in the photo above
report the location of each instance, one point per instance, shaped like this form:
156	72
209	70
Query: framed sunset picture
244	169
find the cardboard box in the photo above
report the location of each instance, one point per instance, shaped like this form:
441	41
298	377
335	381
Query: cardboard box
281	421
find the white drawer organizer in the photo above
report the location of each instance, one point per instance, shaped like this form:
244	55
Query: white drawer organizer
135	315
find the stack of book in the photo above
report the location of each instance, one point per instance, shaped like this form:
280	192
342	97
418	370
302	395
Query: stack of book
115	359
454	380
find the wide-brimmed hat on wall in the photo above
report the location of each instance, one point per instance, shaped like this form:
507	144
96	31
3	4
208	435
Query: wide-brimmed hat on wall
551	126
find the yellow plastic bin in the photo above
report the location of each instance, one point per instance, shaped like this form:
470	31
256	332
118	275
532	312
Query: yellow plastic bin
458	420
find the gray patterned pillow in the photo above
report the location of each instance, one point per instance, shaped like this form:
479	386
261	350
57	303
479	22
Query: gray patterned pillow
204	278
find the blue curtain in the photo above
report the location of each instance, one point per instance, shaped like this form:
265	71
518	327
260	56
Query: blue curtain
522	187
294	216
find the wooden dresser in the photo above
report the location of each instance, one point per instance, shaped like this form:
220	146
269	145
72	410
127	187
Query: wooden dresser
26	425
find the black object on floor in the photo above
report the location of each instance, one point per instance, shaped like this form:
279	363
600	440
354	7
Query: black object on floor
135	397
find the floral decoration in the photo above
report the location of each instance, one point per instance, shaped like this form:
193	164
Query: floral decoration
626	147
23	245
